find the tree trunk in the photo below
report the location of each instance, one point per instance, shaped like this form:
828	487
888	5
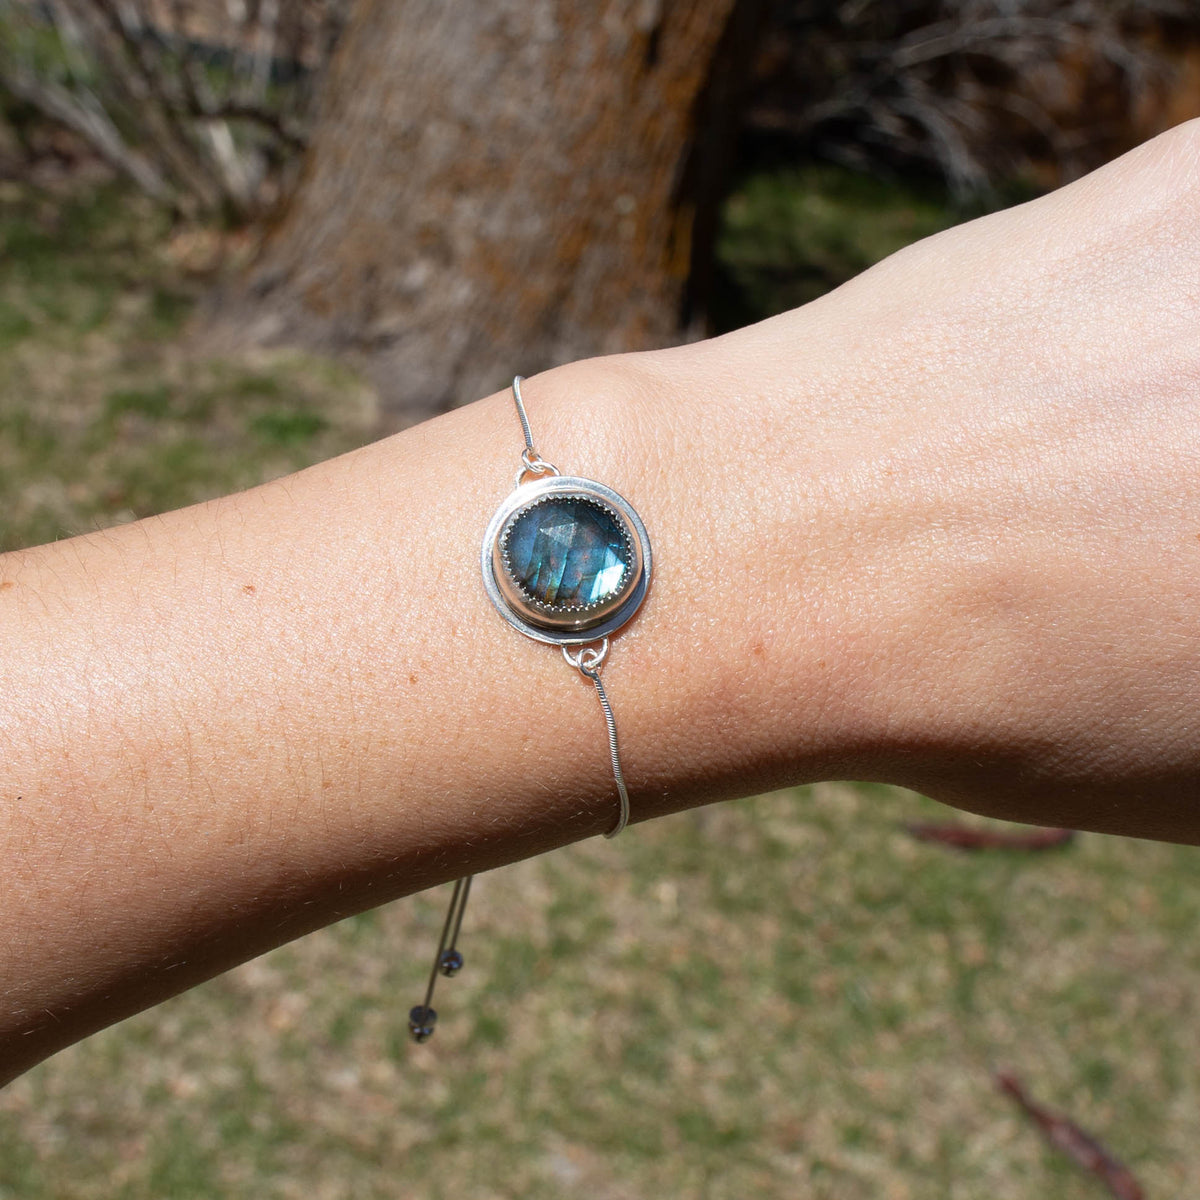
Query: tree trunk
500	185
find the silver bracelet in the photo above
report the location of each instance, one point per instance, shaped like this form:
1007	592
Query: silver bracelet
565	560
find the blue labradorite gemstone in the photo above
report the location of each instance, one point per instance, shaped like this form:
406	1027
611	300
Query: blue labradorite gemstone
568	552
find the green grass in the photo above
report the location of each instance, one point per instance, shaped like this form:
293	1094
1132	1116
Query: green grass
782	997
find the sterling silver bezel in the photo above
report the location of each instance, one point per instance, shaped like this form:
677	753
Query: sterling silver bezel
525	616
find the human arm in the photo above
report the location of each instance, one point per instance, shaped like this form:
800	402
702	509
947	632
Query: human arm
935	529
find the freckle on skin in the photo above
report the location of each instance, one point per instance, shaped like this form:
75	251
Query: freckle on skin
6	584
412	678
249	589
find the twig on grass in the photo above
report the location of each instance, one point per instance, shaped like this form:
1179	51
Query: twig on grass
964	837
1080	1147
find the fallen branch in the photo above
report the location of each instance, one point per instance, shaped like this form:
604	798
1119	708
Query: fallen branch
965	837
1080	1147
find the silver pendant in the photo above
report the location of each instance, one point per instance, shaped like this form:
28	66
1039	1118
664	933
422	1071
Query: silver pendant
566	560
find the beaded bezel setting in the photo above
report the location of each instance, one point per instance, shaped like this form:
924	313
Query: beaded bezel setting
604	519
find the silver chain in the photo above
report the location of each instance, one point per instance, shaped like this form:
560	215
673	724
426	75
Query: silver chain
587	659
532	462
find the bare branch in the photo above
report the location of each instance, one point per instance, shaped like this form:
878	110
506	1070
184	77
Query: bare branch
254	115
933	82
91	122
136	78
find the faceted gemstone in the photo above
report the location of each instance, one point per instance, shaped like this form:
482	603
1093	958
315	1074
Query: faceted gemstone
568	551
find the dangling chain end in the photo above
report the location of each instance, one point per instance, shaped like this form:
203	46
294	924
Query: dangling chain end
421	1022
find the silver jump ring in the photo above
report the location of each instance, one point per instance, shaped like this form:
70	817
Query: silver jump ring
533	464
587	659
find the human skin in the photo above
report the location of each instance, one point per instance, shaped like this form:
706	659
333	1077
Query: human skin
939	528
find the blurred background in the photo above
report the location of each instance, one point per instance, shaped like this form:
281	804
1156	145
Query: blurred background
239	236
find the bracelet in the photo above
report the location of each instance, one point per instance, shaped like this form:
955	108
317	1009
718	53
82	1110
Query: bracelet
565	560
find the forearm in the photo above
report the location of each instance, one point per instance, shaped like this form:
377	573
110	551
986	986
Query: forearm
233	723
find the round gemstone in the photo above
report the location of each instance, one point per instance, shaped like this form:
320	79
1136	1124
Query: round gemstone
568	552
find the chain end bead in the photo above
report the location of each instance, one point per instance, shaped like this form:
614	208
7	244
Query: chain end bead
421	1022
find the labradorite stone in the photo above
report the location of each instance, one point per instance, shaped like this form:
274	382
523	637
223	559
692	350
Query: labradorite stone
568	551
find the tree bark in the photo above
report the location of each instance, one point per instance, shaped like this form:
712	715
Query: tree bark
498	186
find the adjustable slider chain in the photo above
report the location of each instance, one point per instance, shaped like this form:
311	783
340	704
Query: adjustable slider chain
565	561
448	961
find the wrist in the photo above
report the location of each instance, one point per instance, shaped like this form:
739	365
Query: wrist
750	658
